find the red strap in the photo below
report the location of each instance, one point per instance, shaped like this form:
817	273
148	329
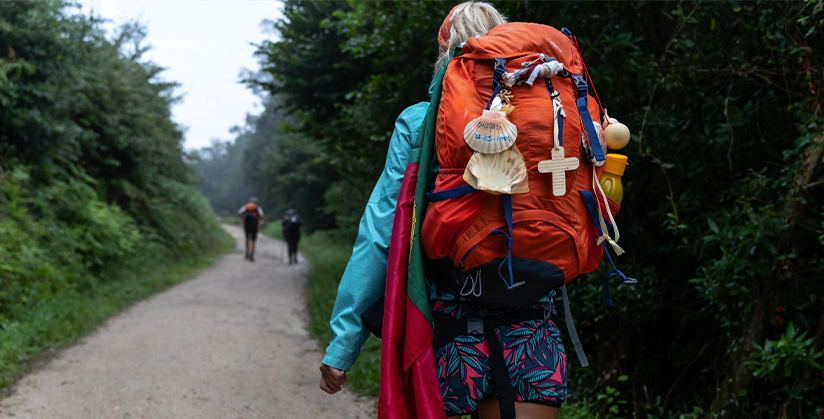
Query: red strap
574	41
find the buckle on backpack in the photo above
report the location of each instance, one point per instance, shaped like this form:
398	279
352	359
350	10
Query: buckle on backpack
475	326
580	84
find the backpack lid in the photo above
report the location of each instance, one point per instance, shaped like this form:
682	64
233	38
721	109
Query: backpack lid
517	38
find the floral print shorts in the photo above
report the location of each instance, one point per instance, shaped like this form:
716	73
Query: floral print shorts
533	351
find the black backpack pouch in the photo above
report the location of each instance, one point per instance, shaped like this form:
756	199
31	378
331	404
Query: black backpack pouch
485	284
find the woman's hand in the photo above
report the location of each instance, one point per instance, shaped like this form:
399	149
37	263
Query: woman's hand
331	379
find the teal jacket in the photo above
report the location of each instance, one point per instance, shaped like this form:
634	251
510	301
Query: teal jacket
364	280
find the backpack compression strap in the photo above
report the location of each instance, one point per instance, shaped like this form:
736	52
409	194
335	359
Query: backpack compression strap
573	333
594	145
593	213
510	281
558	111
500	69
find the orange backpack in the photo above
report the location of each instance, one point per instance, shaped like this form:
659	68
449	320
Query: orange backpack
251	211
512	249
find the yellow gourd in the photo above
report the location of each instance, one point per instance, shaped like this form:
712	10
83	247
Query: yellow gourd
616	134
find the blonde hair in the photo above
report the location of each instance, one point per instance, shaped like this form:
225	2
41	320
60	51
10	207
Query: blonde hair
468	20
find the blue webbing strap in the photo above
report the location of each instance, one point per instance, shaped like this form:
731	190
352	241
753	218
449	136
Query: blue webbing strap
450	193
508	216
510	281
560	121
586	118
593	213
500	69
589	200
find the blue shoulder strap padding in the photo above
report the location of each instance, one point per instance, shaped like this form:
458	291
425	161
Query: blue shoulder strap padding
593	213
450	193
566	32
586	118
500	69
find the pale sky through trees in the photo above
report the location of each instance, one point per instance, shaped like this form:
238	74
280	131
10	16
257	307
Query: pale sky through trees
204	44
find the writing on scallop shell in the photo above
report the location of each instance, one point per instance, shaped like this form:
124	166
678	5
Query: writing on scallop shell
491	132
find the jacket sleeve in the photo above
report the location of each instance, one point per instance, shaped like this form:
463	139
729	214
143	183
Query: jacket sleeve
364	280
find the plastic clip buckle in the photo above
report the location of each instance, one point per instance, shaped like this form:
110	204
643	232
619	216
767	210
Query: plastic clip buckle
475	326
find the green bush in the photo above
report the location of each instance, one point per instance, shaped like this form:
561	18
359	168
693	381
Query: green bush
69	260
97	206
272	229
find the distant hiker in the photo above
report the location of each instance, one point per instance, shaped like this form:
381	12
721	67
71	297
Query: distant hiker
291	232
251	214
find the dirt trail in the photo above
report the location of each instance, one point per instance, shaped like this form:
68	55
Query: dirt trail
230	343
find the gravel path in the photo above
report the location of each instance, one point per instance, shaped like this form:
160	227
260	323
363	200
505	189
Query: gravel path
230	343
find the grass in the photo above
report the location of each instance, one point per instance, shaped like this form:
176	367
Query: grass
273	229
67	317
327	259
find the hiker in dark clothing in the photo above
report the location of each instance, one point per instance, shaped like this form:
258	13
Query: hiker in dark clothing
291	232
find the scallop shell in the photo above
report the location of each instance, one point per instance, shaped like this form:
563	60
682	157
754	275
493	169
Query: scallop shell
500	173
490	133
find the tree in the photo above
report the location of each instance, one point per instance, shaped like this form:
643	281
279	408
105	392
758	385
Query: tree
721	218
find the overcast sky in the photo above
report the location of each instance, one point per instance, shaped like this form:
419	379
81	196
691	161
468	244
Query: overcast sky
204	44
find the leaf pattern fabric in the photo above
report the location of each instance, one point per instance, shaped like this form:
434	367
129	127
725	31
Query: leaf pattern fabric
533	351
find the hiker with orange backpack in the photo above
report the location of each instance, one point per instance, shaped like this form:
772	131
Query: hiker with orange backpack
477	252
252	215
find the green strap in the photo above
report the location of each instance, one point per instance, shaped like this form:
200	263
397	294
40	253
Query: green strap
426	135
422	152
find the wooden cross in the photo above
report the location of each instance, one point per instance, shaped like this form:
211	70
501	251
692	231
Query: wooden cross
558	166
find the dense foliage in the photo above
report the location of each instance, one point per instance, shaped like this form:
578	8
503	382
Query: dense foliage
723	215
269	161
94	189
